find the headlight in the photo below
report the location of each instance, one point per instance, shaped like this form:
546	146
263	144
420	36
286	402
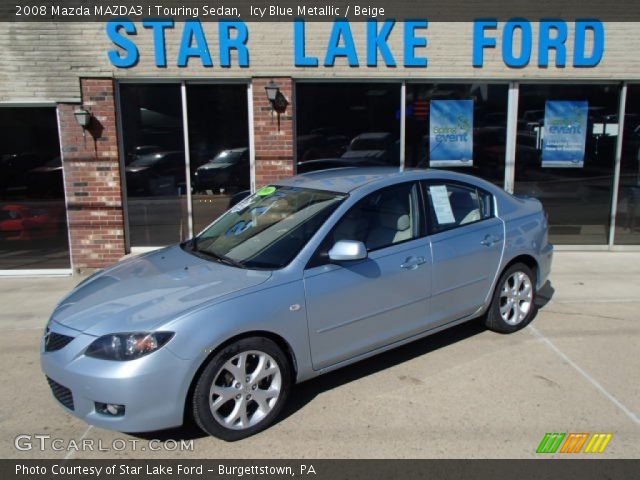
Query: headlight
127	346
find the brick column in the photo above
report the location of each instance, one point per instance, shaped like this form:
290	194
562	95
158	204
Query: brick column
274	149
92	178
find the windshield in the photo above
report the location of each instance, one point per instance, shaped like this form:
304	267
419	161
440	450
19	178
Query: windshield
147	160
228	156
267	229
368	144
54	162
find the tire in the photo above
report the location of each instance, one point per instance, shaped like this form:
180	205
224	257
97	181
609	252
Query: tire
221	395
513	304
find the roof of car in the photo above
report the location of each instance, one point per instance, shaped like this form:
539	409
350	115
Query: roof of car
345	180
237	149
372	135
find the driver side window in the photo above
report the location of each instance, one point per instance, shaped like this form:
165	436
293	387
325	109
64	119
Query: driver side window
386	217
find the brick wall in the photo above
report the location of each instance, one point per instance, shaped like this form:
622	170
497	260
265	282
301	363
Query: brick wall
274	149
92	178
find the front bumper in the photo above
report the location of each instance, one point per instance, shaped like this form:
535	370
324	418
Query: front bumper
152	388
210	181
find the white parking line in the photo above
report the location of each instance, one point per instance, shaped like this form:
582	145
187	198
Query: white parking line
70	453
593	300
23	329
591	380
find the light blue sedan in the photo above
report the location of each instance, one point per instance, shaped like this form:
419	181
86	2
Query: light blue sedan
305	276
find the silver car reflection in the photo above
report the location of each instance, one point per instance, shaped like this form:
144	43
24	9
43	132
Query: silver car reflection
305	276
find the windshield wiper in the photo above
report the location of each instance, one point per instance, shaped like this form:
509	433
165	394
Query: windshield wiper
219	258
193	246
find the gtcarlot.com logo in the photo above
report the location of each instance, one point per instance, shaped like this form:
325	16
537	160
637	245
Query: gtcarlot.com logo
45	442
574	442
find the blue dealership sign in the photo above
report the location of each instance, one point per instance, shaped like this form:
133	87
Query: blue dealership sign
565	133
451	133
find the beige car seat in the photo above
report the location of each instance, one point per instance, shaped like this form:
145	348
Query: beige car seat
392	224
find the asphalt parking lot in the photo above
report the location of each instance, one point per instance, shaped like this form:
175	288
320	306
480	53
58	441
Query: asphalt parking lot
464	393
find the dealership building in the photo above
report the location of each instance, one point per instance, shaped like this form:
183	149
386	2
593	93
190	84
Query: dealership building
129	135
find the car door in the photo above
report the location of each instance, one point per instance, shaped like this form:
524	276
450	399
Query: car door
467	241
355	307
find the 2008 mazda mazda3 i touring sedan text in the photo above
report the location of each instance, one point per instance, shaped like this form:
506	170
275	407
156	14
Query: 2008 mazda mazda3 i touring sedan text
305	276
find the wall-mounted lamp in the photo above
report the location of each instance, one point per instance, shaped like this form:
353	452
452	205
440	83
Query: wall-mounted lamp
278	101
272	90
83	117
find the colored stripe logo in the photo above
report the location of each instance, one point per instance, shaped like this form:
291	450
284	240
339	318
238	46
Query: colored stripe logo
550	442
574	442
598	442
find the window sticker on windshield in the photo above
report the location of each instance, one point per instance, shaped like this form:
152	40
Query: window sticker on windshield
441	204
242	204
266	191
239	228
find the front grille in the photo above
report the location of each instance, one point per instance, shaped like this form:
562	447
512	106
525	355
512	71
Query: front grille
62	394
55	341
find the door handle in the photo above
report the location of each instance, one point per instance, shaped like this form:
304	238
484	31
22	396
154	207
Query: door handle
489	240
411	263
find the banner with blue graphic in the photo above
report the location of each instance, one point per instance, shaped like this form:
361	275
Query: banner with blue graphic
564	133
451	133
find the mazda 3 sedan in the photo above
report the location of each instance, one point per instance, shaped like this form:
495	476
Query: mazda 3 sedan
305	276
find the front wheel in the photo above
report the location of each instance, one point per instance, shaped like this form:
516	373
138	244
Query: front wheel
242	389
513	303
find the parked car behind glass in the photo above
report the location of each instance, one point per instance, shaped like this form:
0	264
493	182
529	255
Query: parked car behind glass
228	171
160	173
374	145
20	222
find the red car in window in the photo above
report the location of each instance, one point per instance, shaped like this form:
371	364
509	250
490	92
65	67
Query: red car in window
19	222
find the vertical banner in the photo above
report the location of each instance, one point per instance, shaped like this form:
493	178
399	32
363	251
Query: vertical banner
565	133
451	133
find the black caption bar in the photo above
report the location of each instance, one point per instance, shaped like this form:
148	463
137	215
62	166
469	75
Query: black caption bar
314	10
581	469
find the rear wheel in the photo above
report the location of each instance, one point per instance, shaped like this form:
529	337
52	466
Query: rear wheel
513	303
242	389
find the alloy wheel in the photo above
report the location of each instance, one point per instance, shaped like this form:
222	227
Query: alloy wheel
245	390
516	298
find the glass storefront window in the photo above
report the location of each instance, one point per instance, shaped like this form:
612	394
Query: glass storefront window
347	124
219	143
33	222
576	193
154	163
358	124
628	217
481	110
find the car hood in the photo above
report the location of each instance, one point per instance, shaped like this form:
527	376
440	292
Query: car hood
363	153
215	166
137	169
45	169
144	292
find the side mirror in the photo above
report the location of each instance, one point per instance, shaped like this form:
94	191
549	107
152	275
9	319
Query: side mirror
347	250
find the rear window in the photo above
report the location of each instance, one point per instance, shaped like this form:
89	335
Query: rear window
452	205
